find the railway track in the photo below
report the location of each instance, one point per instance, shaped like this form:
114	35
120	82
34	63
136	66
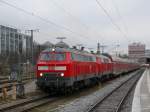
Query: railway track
6	80
109	103
27	104
114	100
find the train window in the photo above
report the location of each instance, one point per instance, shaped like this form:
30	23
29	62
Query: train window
60	56
87	58
46	56
94	59
79	57
76	57
90	58
50	56
72	56
82	57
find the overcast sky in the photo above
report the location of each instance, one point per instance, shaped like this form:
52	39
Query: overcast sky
82	21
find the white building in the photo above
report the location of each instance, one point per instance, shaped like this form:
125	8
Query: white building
12	41
147	52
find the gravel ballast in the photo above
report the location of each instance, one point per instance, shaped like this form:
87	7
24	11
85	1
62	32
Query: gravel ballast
84	103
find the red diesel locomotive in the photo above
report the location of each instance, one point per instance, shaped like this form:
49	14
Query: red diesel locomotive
59	68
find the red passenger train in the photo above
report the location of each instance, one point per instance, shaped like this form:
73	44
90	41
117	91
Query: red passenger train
59	68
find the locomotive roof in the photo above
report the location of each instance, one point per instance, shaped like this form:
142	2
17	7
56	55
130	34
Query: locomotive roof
58	49
118	59
103	56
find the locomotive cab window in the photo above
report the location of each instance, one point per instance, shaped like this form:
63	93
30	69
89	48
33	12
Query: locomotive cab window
53	56
60	56
46	56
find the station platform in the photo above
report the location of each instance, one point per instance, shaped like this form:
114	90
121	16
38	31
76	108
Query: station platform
141	99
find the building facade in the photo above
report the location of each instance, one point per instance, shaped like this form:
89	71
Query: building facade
147	52
136	50
12	41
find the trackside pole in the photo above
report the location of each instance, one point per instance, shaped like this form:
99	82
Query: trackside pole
14	91
4	91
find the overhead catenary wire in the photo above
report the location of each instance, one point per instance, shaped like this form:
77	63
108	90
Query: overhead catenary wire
120	16
75	18
43	19
111	19
68	13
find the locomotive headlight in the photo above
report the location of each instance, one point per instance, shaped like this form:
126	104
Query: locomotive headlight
41	74
53	49
62	74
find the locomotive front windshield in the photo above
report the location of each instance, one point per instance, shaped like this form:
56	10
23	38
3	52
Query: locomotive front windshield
53	56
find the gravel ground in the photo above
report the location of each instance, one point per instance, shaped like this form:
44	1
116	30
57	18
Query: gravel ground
30	87
83	103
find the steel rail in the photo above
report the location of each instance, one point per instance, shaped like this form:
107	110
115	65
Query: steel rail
103	99
21	103
124	98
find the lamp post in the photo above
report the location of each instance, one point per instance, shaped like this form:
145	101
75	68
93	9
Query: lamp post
31	31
